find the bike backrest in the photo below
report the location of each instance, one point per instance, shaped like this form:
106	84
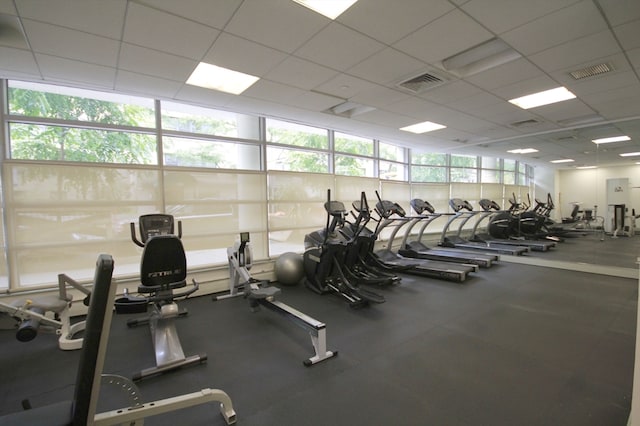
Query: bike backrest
163	265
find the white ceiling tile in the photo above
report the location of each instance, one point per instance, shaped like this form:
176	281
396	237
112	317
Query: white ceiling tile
66	70
6	6
205	97
72	44
243	55
272	91
618	62
429	45
345	86
146	85
280	24
509	73
385	118
379	96
525	87
411	107
387	66
12	33
576	52
474	102
213	13
151	62
338	47
504	114
17	60
450	92
500	16
621	107
384	21
620	11
104	18
300	73
629	34
619	87
602	83
565	110
634	57
148	27
315	101
572	22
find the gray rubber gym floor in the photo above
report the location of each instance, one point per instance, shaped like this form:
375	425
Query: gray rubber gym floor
514	345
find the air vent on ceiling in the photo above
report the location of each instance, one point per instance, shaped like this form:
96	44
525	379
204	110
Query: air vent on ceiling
591	71
566	138
525	123
422	82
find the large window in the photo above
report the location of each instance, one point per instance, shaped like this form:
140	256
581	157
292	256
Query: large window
79	166
299	148
353	155
464	168
428	167
191	119
393	162
87	126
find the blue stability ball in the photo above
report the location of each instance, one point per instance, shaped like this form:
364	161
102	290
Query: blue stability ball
289	268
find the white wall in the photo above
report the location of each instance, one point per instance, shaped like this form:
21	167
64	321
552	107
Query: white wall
546	182
589	187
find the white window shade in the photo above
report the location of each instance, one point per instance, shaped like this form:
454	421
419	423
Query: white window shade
67	215
214	208
296	208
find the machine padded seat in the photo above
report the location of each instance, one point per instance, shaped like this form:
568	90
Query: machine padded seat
164	264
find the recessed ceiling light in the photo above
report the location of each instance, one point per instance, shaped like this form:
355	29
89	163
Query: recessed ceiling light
543	98
565	160
222	79
424	127
611	139
523	151
482	57
329	8
586	167
630	154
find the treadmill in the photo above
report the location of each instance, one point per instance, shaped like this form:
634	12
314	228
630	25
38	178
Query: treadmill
489	208
427	268
417	249
456	241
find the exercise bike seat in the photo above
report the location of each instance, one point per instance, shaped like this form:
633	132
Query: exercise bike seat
164	265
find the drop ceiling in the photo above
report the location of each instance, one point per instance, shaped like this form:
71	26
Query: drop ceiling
308	65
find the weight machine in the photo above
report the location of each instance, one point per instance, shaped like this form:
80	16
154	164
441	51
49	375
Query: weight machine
31	315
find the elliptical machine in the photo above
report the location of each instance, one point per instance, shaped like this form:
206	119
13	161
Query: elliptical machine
361	241
261	294
163	269
325	250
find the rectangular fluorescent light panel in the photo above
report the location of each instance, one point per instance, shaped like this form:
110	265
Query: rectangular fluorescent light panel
523	151
221	79
612	139
424	127
586	167
329	8
543	98
630	154
482	57
566	160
